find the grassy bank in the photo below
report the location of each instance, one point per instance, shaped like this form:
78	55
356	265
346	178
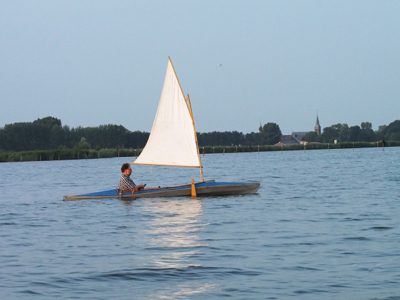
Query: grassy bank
64	154
309	146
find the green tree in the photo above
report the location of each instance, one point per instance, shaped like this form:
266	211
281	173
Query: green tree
136	139
48	122
270	134
380	134
366	133
252	138
40	134
83	144
354	133
330	134
312	136
339	132
392	131
227	138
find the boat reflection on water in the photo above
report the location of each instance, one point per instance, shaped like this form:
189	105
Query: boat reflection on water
173	239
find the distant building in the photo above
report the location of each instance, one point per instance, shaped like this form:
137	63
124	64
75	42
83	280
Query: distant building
287	139
292	139
297	137
317	127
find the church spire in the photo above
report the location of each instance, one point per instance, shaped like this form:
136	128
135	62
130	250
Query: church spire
317	127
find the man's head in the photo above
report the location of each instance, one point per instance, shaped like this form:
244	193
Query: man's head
126	169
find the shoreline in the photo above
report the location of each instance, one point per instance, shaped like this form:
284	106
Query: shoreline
73	154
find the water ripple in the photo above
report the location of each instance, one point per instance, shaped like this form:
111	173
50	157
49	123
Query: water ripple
323	226
160	274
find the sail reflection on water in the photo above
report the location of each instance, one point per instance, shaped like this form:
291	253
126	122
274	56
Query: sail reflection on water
175	242
174	231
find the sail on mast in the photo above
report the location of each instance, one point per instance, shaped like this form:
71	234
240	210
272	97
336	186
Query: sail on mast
172	140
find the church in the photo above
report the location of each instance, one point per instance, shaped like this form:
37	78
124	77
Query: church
298	137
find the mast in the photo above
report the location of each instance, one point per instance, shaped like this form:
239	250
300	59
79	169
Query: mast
195	137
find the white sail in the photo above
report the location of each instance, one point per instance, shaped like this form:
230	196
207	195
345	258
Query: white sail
172	140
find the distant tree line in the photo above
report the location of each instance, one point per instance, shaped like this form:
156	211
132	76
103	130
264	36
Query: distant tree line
269	134
49	133
363	133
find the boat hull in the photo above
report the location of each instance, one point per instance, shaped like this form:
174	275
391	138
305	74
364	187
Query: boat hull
208	188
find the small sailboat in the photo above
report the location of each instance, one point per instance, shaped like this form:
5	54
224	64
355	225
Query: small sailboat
173	143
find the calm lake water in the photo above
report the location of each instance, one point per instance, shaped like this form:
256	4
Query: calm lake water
324	225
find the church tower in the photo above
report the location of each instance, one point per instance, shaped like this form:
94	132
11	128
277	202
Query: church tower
317	127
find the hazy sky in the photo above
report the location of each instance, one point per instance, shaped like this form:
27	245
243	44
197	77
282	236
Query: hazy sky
242	62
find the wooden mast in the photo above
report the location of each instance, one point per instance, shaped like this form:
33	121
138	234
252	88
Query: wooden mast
189	106
195	137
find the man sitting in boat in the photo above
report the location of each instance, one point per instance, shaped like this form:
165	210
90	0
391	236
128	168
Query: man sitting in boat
126	184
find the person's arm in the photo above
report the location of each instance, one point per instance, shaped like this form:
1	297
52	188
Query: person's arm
140	187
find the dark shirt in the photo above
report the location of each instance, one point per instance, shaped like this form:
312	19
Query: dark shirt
126	184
